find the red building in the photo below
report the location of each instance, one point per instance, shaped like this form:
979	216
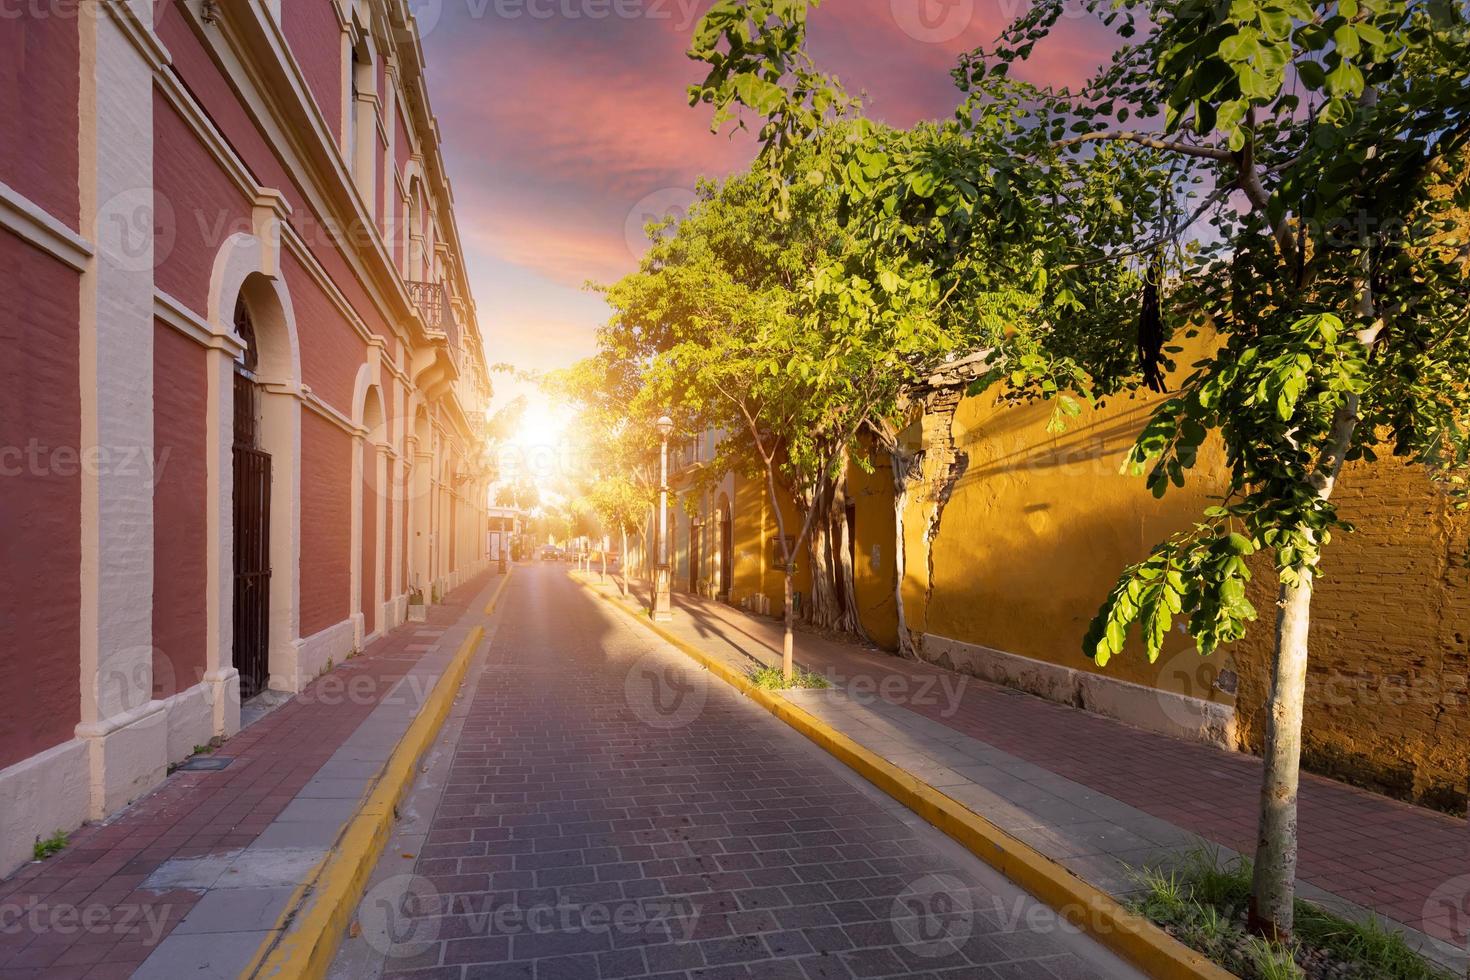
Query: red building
242	388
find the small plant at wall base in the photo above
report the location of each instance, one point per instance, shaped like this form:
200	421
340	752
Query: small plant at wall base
51	845
1290	193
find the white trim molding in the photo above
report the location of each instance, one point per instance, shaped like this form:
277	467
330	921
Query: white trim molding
36	226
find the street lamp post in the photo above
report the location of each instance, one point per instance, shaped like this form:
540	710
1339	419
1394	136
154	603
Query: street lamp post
662	605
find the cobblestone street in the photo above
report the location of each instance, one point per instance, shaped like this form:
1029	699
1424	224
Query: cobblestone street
610	812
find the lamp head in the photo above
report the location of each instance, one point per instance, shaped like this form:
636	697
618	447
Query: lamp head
665	426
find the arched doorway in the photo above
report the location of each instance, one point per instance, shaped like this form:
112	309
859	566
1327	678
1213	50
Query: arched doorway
251	511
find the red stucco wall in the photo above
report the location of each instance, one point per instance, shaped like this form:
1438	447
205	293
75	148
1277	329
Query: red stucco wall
39	92
315	36
180	572
196	208
40	500
331	351
326	524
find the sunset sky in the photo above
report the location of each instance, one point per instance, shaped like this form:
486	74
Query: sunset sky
566	126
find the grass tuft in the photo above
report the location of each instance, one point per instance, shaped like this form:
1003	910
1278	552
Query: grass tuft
1202	902
51	845
771	679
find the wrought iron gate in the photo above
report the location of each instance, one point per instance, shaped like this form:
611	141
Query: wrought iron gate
252	509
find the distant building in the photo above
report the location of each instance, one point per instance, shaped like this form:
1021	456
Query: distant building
243	385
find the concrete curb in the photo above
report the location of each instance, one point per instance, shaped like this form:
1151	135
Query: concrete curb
1088	908
320	912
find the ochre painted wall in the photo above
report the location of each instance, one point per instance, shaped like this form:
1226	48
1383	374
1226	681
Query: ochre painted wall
757	568
1039	527
1387	703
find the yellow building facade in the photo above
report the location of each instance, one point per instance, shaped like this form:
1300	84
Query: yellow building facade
1003	580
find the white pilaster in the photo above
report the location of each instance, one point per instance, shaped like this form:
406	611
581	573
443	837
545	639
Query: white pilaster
222	680
355	576
125	730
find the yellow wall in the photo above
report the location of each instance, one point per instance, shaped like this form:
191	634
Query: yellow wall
1040	526
757	569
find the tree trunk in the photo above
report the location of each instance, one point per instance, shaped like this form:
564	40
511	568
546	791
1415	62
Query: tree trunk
823	610
1273	885
843	564
788	640
900	570
623	566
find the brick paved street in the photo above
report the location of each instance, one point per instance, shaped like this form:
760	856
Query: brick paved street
607	813
1401	861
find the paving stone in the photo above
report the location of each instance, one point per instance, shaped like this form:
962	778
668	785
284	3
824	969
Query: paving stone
237	910
561	768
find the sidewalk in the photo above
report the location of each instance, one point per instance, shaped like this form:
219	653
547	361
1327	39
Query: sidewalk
1097	795
194	872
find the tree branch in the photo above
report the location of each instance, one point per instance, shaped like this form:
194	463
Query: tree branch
1144	139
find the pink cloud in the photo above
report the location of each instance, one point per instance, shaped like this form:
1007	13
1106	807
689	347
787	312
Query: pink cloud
557	128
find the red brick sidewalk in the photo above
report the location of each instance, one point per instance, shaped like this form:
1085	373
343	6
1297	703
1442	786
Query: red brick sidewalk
1404	862
83	913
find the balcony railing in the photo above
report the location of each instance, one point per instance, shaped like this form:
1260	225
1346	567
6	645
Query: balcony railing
432	300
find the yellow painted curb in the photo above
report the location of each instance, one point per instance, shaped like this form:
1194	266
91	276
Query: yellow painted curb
1090	909
320	912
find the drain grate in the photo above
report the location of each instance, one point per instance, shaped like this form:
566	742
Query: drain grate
205	763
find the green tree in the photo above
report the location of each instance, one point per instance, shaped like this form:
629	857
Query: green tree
734	341
1287	175
617	452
